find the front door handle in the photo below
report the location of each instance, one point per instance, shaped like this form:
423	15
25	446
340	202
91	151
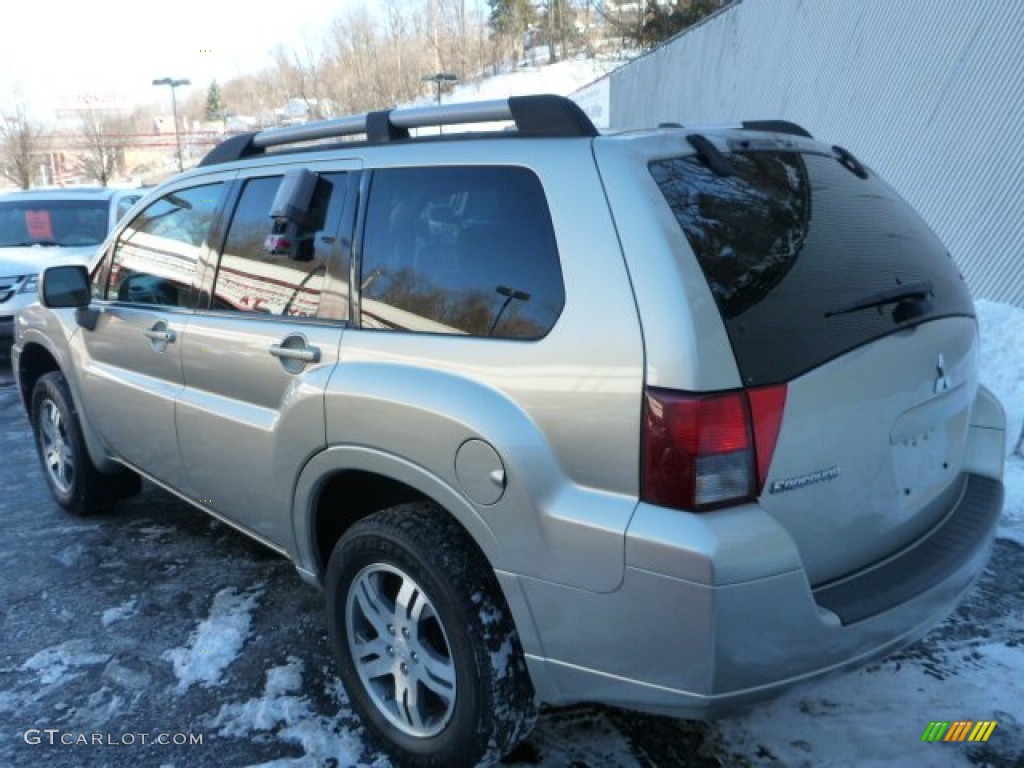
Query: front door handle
305	354
168	337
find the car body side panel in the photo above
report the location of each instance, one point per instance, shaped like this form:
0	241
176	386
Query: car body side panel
57	332
685	341
133	381
543	523
244	423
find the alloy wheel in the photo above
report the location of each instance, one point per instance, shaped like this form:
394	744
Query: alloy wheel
400	650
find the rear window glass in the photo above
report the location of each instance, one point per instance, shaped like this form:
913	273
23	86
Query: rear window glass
788	241
53	222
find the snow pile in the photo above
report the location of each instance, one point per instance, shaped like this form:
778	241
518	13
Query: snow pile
1002	371
284	715
125	610
562	78
216	642
54	665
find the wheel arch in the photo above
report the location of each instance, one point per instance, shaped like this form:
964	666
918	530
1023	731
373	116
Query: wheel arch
363	481
35	360
344	484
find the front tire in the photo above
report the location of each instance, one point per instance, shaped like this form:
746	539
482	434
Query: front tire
77	485
425	644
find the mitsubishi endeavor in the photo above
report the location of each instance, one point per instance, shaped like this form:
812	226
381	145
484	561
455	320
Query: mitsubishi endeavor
668	419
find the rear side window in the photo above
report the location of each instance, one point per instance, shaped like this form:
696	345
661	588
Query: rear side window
460	251
789	242
251	277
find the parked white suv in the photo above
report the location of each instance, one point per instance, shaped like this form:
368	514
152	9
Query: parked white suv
42	228
668	419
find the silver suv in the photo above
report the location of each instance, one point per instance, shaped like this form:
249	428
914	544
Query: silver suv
668	419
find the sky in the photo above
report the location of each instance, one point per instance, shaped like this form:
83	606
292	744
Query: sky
55	51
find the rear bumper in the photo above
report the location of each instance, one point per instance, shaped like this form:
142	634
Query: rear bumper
687	637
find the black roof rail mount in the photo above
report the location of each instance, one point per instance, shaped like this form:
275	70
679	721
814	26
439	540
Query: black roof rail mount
542	115
231	149
777	126
710	154
849	162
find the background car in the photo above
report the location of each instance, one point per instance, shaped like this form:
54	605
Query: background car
43	228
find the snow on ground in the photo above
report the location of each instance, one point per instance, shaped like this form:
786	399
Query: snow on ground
283	713
862	718
125	610
216	642
561	78
56	665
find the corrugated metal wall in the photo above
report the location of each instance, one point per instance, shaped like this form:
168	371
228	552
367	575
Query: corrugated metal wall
930	93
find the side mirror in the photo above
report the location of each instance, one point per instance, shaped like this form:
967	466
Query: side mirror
68	286
65	286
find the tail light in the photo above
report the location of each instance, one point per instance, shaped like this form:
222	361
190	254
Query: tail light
701	452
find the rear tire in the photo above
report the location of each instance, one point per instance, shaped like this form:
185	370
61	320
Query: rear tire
75	482
425	643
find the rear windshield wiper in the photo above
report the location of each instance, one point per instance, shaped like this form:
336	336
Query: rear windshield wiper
31	243
898	295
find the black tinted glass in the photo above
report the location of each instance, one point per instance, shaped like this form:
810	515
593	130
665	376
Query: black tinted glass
276	277
460	250
156	255
789	240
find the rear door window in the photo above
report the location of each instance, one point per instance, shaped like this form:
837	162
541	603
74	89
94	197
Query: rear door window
252	277
789	242
468	250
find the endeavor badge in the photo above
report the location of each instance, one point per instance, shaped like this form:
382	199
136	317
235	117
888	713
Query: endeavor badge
793	483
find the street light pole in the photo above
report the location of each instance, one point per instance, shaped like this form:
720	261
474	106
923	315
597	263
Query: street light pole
440	77
174	107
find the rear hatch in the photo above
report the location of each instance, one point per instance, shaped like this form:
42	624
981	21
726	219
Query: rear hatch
829	283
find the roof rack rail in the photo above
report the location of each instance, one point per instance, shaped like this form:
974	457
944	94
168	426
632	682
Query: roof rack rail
535	116
777	126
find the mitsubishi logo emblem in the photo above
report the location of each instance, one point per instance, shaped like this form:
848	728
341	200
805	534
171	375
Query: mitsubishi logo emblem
941	380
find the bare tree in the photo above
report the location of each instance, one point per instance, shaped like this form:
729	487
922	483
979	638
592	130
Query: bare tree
21	140
103	139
